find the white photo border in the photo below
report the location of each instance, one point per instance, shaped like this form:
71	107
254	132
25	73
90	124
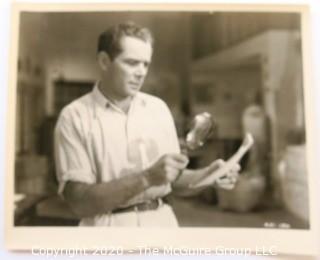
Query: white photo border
286	241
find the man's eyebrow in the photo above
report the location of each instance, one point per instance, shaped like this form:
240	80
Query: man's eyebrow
137	60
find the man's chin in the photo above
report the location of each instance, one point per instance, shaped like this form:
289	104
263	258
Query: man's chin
133	91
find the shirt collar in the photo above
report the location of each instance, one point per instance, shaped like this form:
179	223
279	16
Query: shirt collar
99	97
139	98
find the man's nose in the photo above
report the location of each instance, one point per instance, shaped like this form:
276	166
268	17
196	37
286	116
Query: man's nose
141	70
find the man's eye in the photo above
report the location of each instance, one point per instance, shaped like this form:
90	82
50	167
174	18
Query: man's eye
132	62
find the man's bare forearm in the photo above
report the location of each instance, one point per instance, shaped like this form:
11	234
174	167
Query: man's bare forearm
88	200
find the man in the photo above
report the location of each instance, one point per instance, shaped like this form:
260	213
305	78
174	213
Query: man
117	151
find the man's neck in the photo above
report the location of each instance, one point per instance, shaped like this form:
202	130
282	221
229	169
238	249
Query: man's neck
122	103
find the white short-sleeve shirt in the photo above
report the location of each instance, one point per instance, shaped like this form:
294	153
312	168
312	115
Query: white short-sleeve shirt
97	142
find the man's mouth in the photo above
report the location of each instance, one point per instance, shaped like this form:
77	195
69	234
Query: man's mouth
135	84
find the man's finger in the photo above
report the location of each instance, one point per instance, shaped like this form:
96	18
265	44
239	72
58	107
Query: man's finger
180	165
180	158
236	168
227	186
172	174
232	174
216	165
225	181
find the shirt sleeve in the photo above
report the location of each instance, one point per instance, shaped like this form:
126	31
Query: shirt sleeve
71	157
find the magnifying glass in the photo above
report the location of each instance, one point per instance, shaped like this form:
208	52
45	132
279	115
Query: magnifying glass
202	127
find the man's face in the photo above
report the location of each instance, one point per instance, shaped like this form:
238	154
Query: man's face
129	69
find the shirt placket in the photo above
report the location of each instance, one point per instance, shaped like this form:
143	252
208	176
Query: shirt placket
132	134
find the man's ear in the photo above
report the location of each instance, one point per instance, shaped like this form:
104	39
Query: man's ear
104	60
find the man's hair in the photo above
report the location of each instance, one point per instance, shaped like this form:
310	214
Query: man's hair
109	40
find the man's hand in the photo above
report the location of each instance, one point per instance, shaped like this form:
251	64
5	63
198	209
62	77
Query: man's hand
208	176
229	180
166	169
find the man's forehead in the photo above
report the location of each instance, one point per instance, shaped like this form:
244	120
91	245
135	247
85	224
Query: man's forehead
131	38
135	46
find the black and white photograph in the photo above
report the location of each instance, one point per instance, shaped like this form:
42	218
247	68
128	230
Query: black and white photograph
160	119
